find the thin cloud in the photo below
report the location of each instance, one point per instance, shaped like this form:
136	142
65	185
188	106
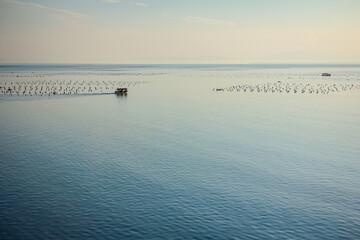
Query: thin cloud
111	1
207	21
69	13
141	4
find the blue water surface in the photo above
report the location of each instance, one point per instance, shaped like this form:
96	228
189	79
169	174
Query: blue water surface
175	160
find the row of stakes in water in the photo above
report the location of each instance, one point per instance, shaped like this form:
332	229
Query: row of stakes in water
31	75
280	87
30	88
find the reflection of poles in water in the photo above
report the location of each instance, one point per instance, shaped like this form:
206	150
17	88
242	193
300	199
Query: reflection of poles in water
280	87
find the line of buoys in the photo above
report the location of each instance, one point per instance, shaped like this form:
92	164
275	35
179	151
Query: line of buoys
261	76
98	74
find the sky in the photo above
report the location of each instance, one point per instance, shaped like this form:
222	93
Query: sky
175	32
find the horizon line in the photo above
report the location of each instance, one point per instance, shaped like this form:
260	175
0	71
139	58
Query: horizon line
249	63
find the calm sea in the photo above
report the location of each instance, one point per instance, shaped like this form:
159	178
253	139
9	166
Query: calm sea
176	159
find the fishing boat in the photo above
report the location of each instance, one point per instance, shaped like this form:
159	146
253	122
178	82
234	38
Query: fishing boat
121	91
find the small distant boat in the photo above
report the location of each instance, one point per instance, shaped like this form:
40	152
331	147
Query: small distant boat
326	75
121	91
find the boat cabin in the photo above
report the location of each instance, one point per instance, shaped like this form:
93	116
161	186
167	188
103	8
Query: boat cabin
121	91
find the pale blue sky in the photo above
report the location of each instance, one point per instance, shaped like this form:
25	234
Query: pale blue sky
159	31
